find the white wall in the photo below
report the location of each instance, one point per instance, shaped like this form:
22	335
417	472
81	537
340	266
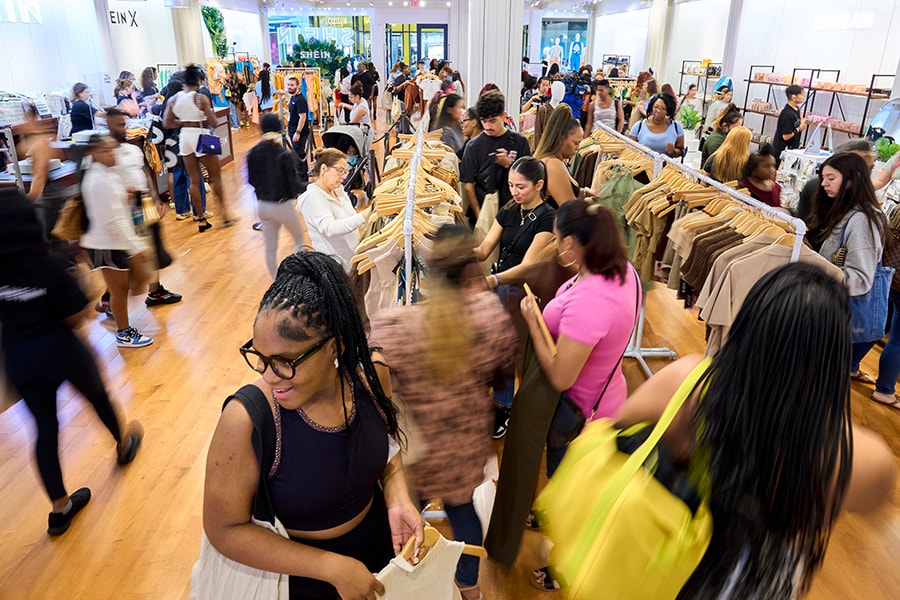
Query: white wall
859	37
243	28
144	38
698	31
54	54
621	33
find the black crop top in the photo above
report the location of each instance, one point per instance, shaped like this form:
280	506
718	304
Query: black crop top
309	481
576	191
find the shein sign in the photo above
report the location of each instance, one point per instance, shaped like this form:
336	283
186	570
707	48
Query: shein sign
20	11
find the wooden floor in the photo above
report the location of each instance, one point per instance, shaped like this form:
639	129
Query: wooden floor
139	536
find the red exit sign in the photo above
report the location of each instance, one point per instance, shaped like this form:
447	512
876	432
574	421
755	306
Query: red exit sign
414	3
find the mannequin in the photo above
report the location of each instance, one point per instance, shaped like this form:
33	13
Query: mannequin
557	91
575	53
556	52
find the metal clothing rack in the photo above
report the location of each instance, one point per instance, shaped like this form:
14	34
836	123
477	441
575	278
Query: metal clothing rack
414	163
635	350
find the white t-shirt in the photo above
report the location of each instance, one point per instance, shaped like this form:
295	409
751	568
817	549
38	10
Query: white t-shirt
130	167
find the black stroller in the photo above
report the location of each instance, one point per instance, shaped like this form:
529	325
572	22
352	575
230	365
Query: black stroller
351	140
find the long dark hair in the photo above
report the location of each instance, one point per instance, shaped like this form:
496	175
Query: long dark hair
595	228
532	169
265	86
856	193
22	246
313	292
774	425
445	105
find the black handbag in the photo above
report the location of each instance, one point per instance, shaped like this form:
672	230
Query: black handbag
568	419
497	267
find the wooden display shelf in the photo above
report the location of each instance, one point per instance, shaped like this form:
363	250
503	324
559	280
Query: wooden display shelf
775	114
875	95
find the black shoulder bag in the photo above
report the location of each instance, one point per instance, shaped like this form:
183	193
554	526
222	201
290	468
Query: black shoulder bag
568	420
532	217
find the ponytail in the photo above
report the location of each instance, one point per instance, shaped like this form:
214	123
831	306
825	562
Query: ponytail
594	227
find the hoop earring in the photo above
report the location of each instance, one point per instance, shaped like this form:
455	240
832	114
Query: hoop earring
567	265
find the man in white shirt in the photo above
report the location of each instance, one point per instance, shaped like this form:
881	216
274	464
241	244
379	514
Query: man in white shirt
134	175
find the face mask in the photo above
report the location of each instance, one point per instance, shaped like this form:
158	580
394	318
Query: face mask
352	160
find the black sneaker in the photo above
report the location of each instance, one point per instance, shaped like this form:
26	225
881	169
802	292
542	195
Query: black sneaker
501	421
162	296
58	523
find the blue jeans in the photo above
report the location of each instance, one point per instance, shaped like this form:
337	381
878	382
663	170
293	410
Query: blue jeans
889	365
181	187
466	528
233	115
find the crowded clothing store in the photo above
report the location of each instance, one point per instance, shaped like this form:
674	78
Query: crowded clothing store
612	321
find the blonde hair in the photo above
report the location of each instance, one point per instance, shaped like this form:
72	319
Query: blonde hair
327	157
559	125
122	84
449	339
730	160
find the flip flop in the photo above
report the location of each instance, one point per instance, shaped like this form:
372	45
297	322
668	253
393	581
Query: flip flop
895	403
543	580
862	377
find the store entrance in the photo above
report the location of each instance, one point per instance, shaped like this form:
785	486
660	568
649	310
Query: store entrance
411	43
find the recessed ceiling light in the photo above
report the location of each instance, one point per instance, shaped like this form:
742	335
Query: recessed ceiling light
448	4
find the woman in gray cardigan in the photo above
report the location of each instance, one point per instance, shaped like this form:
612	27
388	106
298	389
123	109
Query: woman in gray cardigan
846	209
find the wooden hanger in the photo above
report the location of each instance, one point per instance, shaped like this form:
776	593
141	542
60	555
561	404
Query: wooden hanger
432	537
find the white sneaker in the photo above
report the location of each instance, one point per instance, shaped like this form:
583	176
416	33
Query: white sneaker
131	338
183	216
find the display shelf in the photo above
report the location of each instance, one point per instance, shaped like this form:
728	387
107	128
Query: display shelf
762	112
702	92
874	95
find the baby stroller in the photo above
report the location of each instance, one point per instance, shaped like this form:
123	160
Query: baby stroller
351	140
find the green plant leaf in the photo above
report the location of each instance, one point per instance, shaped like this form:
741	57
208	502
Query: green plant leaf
215	25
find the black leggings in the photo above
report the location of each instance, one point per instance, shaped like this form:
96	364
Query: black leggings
369	542
36	368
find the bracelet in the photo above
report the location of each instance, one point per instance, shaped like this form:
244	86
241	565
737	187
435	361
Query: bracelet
496	280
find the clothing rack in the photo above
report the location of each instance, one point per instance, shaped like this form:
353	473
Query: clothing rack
635	350
414	163
300	72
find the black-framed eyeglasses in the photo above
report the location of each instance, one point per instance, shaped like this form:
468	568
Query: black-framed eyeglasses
282	366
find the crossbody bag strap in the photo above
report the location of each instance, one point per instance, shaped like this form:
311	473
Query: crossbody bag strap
637	312
509	247
609	497
260	411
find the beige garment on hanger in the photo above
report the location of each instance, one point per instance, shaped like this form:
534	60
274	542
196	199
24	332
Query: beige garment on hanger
432	578
490	206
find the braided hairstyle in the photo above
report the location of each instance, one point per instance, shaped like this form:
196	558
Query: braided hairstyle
314	293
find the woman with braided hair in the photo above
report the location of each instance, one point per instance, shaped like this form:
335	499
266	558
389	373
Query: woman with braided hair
336	482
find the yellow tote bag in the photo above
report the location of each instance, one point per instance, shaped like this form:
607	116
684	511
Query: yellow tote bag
618	533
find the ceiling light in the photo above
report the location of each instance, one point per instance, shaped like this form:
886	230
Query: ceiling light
422	3
448	4
405	3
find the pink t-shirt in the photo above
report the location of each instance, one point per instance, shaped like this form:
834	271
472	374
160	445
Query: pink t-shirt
599	312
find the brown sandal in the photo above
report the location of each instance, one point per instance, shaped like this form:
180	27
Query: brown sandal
862	377
543	580
895	403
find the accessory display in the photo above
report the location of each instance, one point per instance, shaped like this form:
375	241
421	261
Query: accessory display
216	577
568	419
624	521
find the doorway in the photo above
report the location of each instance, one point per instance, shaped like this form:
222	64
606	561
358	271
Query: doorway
412	42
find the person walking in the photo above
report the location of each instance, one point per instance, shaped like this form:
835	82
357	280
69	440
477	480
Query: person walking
40	304
443	355
192	112
272	171
299	127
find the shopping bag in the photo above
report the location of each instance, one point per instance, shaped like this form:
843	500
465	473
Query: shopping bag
618	531
72	222
484	495
216	577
